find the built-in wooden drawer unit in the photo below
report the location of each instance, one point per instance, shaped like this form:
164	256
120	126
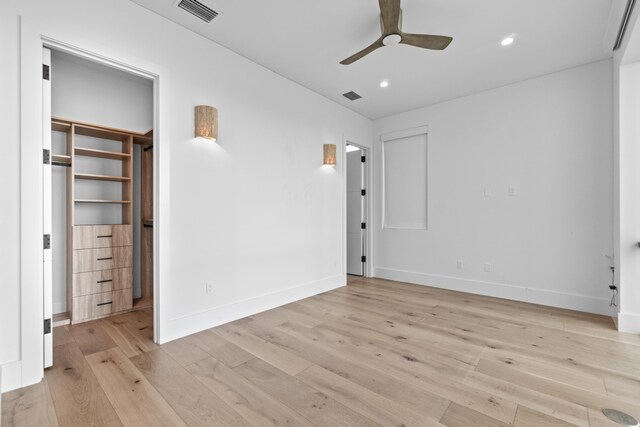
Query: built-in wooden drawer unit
86	260
95	282
102	304
102	236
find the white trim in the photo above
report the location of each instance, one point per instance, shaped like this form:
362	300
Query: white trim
629	322
32	39
569	301
195	322
392	136
31	206
405	133
368	152
11	377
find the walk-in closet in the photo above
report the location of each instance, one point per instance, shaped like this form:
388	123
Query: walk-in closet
101	190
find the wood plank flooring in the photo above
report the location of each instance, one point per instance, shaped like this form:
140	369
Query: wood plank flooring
373	353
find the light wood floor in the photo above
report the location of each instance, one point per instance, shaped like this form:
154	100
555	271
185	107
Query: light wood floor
374	353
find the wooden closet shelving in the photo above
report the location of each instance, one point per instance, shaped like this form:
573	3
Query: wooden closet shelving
120	202
99	256
103	154
61	158
102	177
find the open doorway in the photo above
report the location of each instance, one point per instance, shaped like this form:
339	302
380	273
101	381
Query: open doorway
99	186
356	163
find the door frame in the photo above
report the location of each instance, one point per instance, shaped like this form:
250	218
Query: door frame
32	40
368	211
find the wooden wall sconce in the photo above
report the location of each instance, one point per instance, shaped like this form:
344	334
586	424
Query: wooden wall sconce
206	122
329	154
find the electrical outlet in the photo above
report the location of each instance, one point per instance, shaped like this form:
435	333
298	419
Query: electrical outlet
209	288
460	264
487	267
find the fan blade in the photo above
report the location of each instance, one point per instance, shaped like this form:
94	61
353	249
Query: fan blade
353	58
390	12
426	41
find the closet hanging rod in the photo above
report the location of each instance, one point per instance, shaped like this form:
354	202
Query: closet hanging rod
148	225
63	164
148	148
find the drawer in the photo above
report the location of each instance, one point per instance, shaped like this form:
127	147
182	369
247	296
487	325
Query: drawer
102	236
91	306
95	282
86	260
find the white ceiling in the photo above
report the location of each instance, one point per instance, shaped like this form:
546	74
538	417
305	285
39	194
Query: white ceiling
304	41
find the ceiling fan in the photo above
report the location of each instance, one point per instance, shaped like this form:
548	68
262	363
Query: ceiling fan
391	25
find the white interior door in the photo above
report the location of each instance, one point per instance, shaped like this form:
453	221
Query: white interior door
47	279
355	212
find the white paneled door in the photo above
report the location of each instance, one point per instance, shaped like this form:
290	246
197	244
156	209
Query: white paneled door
356	210
47	279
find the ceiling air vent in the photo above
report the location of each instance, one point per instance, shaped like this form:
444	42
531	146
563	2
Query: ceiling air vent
198	9
351	96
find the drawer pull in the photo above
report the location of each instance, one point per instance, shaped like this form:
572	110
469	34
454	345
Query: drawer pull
105	237
104	303
105	281
104	259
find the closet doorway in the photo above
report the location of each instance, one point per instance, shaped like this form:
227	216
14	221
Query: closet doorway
356	182
99	192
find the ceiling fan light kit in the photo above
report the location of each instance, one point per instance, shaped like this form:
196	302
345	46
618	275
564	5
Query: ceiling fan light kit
392	35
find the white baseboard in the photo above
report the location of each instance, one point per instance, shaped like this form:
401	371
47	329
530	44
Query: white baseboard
196	322
11	376
629	322
501	290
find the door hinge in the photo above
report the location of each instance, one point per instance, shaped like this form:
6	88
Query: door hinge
363	225
363	159
363	259
46	241
47	326
45	71
46	156
363	192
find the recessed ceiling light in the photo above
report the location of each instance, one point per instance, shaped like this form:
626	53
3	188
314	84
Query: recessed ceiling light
384	83
507	41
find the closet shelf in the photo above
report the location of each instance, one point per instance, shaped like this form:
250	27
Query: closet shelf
60	158
60	126
102	177
90	152
122	202
139	139
98	131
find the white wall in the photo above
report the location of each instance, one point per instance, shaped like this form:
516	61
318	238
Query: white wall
88	92
10	193
256	214
550	139
626	177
